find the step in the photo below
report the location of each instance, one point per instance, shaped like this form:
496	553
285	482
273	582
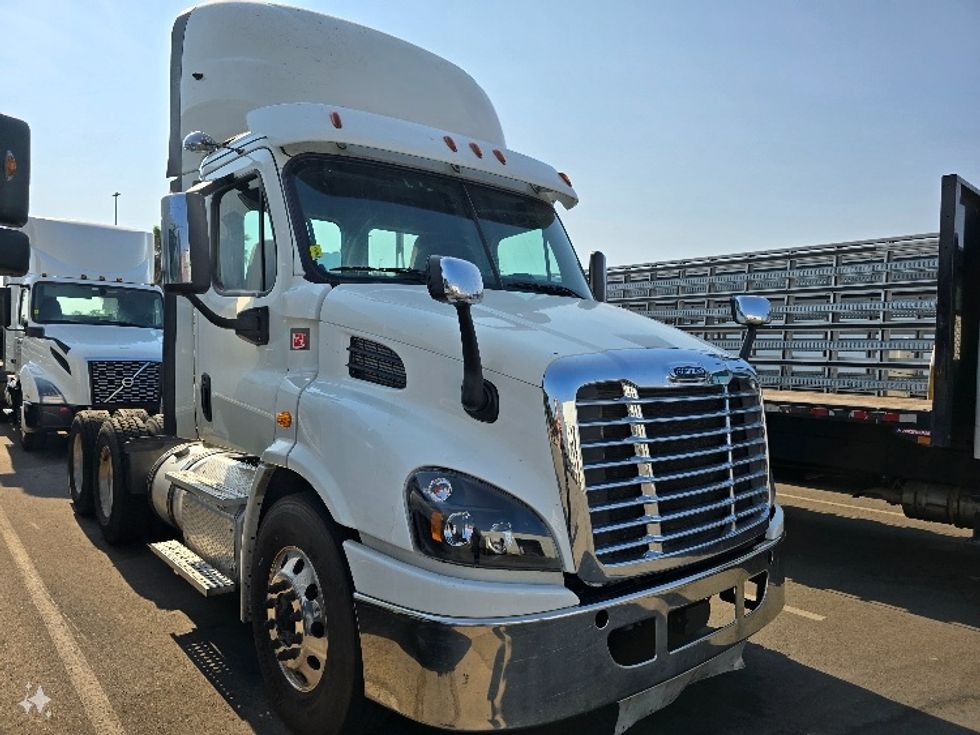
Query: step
202	576
217	496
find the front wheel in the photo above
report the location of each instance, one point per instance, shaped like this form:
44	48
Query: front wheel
303	621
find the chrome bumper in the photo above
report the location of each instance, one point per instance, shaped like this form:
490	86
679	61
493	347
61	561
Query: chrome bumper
467	674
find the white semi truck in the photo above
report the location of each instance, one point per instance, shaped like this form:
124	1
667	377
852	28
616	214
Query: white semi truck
441	476
82	329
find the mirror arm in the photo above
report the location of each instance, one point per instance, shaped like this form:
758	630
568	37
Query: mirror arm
478	395
252	325
746	352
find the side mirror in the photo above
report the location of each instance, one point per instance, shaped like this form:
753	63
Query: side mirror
751	312
597	275
454	281
15	172
458	283
15	252
185	252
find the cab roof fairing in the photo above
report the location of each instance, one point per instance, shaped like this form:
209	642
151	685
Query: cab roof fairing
301	123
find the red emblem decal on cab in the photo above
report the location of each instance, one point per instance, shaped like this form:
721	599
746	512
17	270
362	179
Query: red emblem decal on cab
299	339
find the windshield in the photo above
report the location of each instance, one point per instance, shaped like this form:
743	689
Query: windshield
76	303
368	221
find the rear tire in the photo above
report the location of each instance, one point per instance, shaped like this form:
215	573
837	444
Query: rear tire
81	452
122	517
326	696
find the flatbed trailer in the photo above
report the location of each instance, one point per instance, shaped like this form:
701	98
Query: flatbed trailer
870	364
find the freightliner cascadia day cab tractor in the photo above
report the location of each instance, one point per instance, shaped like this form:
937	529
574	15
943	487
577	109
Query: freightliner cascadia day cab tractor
83	329
441	475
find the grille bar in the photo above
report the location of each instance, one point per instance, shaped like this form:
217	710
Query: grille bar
660	399
660	439
661	538
643	479
671	419
673	457
647	499
645	520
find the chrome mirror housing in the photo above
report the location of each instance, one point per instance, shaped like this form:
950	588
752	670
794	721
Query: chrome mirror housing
454	280
185	254
751	311
198	142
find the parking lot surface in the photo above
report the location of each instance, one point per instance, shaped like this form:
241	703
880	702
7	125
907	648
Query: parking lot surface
881	633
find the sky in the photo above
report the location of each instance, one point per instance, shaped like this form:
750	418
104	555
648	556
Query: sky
688	128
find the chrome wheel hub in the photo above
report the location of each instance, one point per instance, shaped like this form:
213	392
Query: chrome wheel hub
296	619
105	481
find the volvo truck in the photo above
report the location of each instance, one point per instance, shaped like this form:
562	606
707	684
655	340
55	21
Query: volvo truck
870	365
82	329
439	474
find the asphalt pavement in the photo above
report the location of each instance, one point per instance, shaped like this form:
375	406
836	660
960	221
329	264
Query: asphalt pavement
881	633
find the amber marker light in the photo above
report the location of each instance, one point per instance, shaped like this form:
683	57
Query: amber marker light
284	419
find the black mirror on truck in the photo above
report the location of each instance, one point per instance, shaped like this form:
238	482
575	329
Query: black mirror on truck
15	181
597	275
185	253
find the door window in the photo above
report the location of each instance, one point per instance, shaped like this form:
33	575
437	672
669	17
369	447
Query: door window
245	256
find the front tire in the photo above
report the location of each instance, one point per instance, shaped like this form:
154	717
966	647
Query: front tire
306	636
123	517
81	452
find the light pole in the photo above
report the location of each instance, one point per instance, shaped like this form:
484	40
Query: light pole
115	208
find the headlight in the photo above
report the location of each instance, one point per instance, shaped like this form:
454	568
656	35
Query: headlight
47	392
463	520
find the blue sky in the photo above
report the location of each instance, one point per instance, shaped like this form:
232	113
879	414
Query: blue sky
688	128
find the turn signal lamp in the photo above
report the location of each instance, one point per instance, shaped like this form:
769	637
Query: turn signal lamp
284	419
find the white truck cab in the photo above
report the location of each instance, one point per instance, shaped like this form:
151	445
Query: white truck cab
84	328
442	477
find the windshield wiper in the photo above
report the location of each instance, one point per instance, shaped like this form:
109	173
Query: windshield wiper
414	272
542	287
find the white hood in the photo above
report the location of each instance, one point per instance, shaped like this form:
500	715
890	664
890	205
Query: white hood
107	342
520	334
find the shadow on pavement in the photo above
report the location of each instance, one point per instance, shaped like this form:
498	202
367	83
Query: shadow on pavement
25	465
926	573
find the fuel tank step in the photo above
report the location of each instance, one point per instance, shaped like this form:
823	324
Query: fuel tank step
220	496
202	576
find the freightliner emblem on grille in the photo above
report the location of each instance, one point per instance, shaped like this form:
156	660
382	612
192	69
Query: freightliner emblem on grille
699	374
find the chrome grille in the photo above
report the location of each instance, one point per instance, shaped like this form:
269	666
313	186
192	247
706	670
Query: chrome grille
124	382
671	472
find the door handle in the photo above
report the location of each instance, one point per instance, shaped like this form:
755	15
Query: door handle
206	396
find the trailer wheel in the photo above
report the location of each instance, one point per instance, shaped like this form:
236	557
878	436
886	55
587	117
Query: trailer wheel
122	517
81	449
303	621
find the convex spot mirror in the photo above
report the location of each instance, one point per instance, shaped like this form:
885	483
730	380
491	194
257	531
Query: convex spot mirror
454	280
751	311
185	253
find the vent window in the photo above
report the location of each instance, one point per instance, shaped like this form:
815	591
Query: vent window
375	363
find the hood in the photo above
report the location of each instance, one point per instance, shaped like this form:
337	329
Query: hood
520	334
107	342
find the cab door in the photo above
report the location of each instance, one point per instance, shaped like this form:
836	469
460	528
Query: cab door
236	380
